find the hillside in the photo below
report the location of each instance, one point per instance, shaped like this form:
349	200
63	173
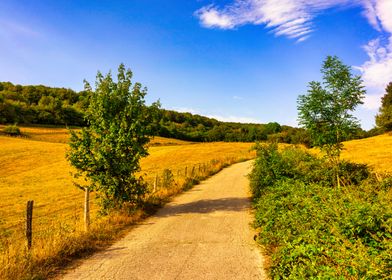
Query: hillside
59	106
375	151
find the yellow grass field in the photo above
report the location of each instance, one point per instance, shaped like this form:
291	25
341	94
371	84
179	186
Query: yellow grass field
61	135
35	168
374	151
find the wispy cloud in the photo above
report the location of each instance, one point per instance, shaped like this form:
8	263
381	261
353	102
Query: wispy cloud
291	18
294	19
377	71
11	28
236	119
186	110
223	118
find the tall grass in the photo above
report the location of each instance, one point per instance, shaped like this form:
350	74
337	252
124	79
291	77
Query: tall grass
313	230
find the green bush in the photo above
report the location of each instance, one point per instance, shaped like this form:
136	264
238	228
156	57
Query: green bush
12	130
313	230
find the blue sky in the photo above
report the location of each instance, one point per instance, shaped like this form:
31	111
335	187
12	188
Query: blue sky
233	60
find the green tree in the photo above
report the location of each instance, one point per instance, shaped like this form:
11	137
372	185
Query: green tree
326	110
107	152
384	118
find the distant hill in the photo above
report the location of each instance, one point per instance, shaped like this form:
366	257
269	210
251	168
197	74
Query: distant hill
60	106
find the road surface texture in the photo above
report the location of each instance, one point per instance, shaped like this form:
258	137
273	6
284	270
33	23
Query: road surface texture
203	233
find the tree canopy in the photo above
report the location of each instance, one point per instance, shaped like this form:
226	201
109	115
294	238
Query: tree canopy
107	152
384	118
326	110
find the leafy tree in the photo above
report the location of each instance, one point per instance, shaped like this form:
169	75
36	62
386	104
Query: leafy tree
384	118
326	110
108	151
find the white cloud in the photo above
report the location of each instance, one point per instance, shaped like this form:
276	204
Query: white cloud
186	110
294	19
377	71
372	101
234	119
217	117
12	29
291	18
212	18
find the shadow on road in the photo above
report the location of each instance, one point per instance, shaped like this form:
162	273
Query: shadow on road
206	206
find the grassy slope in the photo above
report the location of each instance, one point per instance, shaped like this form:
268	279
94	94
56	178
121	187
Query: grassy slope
38	170
374	151
53	134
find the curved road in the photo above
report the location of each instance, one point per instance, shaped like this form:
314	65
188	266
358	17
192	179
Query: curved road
203	233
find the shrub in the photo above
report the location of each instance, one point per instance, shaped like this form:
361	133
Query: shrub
313	230
12	130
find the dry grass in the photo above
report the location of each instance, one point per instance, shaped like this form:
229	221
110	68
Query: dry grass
374	151
52	134
34	168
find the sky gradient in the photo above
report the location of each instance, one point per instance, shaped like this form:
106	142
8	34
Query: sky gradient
237	60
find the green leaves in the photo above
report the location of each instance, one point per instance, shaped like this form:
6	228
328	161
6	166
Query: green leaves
108	151
326	110
314	231
384	118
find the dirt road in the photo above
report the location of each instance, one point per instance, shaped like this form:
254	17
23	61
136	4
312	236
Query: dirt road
203	234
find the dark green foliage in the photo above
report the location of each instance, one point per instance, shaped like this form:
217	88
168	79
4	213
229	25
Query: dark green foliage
315	231
12	130
41	105
384	118
191	127
107	152
326	110
59	106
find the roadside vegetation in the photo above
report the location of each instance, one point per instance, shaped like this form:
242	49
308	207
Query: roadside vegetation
318	216
313	230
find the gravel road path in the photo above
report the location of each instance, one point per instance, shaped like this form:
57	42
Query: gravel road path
202	234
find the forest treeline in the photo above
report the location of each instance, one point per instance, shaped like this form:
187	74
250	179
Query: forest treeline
60	106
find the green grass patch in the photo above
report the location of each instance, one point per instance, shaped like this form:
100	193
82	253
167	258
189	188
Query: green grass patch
312	230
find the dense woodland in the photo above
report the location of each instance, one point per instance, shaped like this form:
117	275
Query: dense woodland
59	106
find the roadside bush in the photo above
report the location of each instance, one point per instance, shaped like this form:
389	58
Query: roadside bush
313	230
12	130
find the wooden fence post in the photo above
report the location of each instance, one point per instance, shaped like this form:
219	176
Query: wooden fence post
155	183
193	171
29	223
186	171
86	209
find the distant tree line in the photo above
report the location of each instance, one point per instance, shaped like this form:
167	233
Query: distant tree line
60	106
41	105
384	118
192	127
